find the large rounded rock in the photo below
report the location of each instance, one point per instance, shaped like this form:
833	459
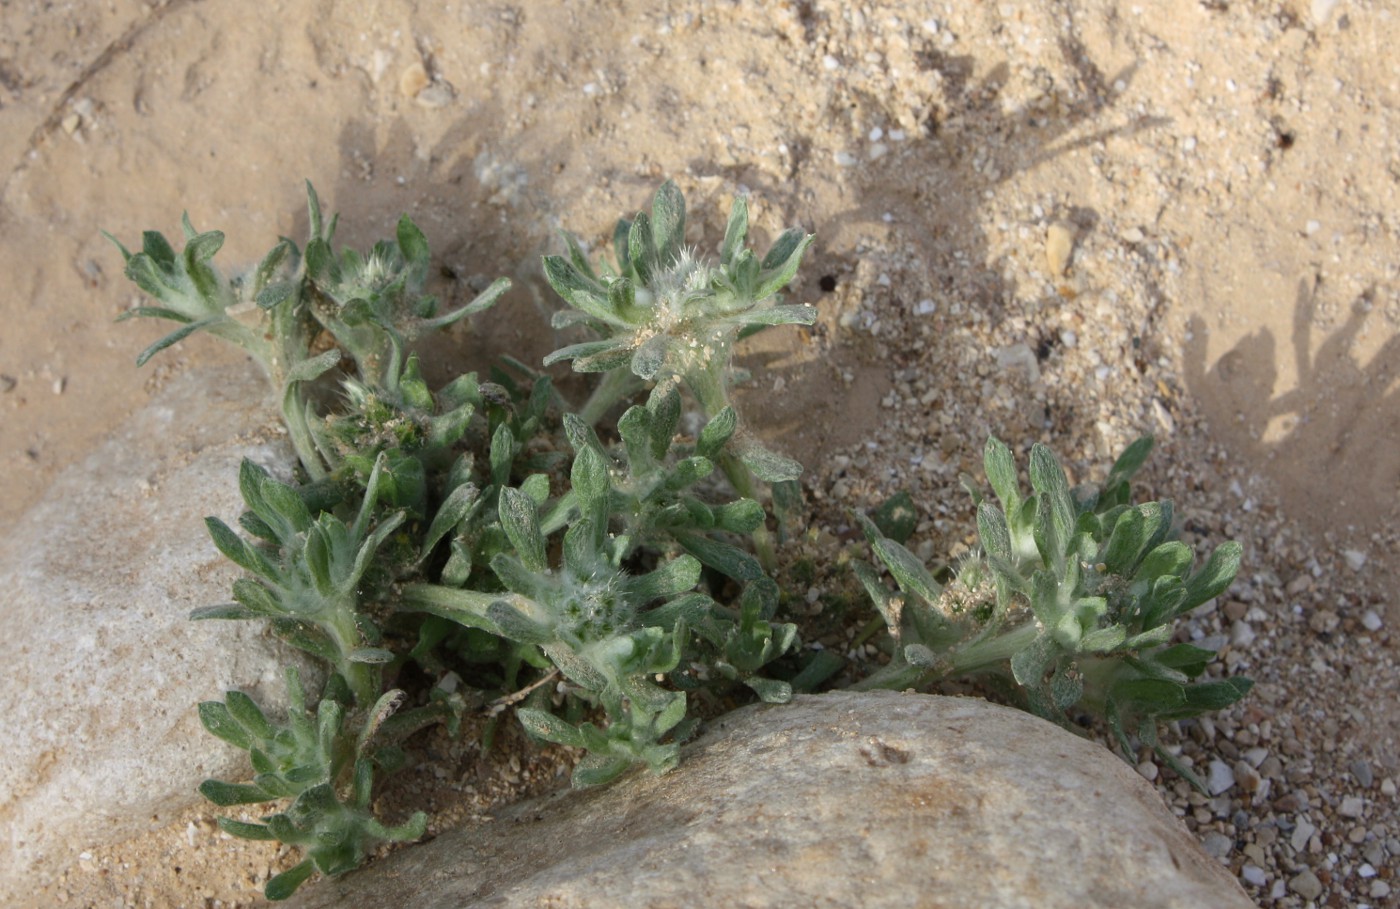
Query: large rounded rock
104	670
846	799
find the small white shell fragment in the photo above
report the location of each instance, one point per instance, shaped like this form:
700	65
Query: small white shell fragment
1059	245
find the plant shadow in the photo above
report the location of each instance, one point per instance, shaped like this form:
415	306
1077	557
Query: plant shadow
1328	442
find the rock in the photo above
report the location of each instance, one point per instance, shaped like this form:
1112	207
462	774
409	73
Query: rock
1306	885
874	799
1059	246
100	700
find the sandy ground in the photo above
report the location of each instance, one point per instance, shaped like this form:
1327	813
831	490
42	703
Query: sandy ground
1226	173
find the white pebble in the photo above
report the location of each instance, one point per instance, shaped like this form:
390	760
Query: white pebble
590	88
1147	770
831	62
1388	787
1366	870
1312	227
1322	9
925	307
1380	890
1241	634
931	26
898	135
1356	559
878	150
1069	339
1221	777
1371	621
1301	834
877	134
844	159
1254	876
1352	806
1188	144
1059	244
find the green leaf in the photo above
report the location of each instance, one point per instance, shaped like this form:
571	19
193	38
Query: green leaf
412	242
1129	462
516	626
237	551
1167	560
220	722
641	248
453	510
1149	696
735	231
262	275
668	223
667	580
1209	696
175	337
770	691
1102	640
522	527
778	315
589	477
1126	542
227	794
650	357
722	557
1001	474
1029	664
285	884
243	830
222	611
908	571
579	291
544	725
780	265
769	466
246	711
154	245
1213	579
1055	508
313	368
717	433
743	516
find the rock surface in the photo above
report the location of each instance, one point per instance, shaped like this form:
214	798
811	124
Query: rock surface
847	799
99	703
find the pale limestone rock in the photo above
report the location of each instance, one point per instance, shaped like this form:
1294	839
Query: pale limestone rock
102	738
846	799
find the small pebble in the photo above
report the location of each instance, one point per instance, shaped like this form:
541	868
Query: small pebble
1371	622
1306	885
844	159
1254	876
1361	771
1301	834
1388	787
1356	559
1366	870
1218	844
1352	806
413	80
1148	771
1059	244
1220	778
1379	890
